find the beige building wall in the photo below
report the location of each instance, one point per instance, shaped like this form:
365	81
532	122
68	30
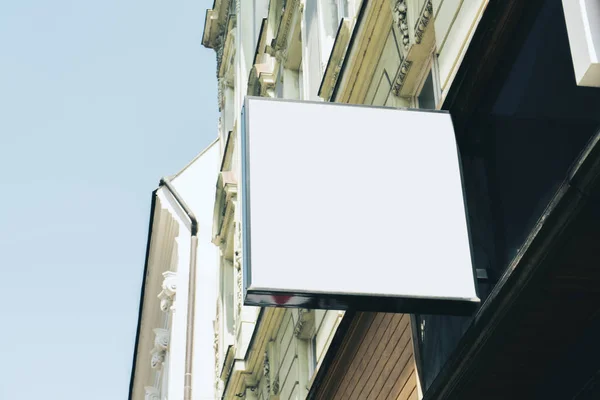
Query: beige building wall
394	53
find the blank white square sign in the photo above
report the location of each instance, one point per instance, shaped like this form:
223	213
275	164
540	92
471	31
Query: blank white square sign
353	207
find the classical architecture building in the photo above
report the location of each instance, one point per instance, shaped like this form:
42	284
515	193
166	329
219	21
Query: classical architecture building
181	209
512	75
382	53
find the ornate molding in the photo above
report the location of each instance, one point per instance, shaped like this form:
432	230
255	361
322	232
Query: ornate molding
151	393
216	341
281	56
271	371
219	45
161	338
166	302
334	66
220	94
169	285
267	373
237	263
300	322
285	25
423	21
169	288
334	77
402	72
305	325
158	358
400	19
271	378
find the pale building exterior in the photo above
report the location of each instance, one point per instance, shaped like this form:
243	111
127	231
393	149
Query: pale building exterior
400	53
394	53
160	350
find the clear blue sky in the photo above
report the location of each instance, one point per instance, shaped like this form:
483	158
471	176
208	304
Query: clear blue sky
98	100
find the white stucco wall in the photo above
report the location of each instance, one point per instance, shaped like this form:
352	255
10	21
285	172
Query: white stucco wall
196	184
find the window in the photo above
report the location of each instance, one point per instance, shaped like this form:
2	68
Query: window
426	99
428	96
226	293
312	356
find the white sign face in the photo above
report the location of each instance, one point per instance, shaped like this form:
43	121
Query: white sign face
352	207
583	27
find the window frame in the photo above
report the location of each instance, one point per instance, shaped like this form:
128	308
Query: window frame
431	68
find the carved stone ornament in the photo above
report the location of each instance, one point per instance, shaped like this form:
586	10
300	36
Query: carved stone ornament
267	374
161	340
169	284
399	14
158	358
281	56
237	263
216	346
271	378
166	302
219	44
423	21
300	322
220	93
151	393
305	325
402	72
286	23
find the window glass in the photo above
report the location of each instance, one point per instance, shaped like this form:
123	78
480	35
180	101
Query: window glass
426	98
312	356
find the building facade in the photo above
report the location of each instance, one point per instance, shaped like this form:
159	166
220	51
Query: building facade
512	75
181	209
381	53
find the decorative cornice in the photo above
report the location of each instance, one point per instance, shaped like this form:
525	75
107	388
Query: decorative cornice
267	373
402	72
271	378
423	21
219	50
223	210
216	341
221	93
237	263
334	65
304	327
300	322
151	393
271	370
280	41
227	49
400	18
